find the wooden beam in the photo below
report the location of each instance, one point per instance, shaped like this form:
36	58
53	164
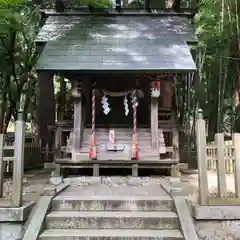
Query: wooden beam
175	143
77	124
46	106
62	102
154	124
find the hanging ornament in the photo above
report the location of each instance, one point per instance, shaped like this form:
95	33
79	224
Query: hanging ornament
125	102
105	105
155	88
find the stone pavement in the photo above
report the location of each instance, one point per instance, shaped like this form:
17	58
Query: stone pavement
102	187
104	190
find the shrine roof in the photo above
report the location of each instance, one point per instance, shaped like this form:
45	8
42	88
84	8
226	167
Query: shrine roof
107	43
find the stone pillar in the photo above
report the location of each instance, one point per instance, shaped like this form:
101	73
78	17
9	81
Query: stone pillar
221	175
77	125
18	164
201	158
236	144
1	164
46	108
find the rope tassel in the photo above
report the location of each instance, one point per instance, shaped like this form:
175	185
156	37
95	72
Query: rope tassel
134	136
92	151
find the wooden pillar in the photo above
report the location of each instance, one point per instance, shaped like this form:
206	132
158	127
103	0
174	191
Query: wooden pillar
175	143
18	165
46	108
155	93
62	102
201	158
154	124
77	124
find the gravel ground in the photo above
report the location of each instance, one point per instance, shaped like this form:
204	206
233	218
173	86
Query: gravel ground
34	183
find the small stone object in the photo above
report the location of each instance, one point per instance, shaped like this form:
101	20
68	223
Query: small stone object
175	190
95	180
56	180
134	181
173	180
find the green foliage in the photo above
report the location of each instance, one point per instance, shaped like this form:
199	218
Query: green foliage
97	3
18	29
216	29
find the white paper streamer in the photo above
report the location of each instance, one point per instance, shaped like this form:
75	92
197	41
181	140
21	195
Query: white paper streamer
105	105
125	102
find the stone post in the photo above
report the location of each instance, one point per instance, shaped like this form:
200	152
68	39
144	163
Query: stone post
222	190
236	144
18	164
1	165
201	158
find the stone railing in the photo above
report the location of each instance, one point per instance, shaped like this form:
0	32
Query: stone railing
229	158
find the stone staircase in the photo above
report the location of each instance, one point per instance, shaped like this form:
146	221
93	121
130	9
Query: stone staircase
112	217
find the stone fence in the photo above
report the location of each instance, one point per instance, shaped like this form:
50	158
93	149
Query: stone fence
18	162
224	158
229	156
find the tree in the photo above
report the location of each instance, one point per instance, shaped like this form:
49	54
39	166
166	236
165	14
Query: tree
18	29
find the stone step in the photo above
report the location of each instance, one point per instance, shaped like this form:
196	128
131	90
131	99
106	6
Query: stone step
112	203
111	219
110	234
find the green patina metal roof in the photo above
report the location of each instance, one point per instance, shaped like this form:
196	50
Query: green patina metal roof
107	43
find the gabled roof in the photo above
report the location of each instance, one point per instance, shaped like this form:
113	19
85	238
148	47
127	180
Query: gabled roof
110	43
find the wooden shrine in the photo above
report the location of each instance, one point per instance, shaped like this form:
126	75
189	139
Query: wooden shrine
122	70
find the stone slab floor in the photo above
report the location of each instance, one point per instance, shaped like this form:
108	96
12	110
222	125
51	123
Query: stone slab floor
36	181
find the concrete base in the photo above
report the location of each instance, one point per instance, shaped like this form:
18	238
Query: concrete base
13	214
11	231
215	212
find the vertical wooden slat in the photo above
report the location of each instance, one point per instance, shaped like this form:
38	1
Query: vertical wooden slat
236	142
201	158
175	139
77	124
1	165
154	124
222	190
